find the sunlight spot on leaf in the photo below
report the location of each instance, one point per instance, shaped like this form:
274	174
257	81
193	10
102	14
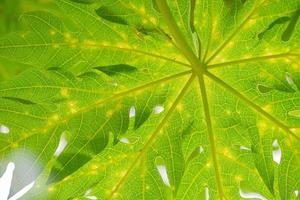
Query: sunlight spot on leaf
170	45
132	6
228	112
72	43
26	135
245	148
55	45
162	85
296	192
247	56
105	44
158	109
268	52
251	22
114	83
132	112
66	178
238	178
122	173
52	32
208	164
227	153
251	195
50	189
73	107
125	140
4	129
89	44
262	126
61	145
54	117
267	108
276	153
67	36
220	59
94	166
119	106
144	21
230	44
295	130
206	190
295	66
147	187
162	169
262	73
72	104
153	20
123	45
93	172
64	92
142	10
109	113
14	145
180	107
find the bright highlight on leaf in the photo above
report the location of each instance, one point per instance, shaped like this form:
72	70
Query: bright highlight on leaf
4	129
153	99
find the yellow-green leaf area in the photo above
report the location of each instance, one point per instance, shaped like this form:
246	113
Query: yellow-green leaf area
154	99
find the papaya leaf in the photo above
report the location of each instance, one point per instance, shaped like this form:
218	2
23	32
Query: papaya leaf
155	99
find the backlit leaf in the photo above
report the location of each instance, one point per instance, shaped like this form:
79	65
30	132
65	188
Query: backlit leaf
155	99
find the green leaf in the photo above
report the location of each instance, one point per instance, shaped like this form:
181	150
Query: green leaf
155	99
10	12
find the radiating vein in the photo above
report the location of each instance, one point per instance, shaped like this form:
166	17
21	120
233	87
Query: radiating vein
255	107
198	69
153	136
210	134
143	52
64	44
23	114
103	101
178	36
237	30
247	60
